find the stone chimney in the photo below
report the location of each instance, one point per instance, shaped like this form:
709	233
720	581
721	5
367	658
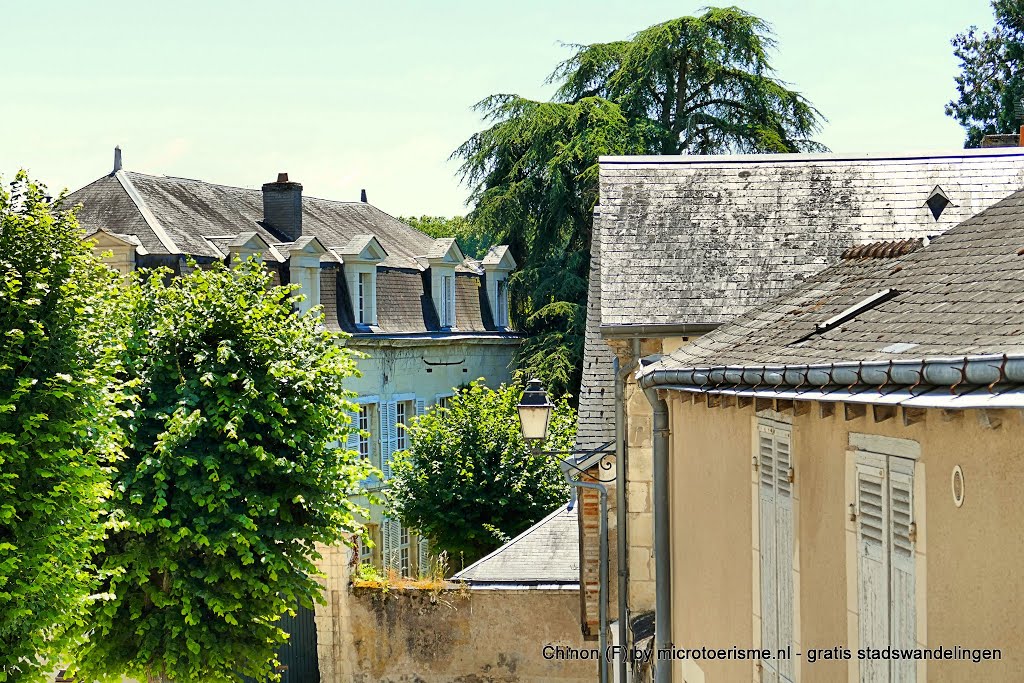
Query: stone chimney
282	207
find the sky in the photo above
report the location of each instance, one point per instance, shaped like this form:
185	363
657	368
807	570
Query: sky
345	96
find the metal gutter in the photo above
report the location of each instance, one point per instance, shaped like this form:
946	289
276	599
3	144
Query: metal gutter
942	372
656	329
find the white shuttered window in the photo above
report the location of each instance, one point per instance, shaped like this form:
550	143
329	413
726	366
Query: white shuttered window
775	490
885	563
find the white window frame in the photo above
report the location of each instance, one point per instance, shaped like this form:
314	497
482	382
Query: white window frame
448	300
501	285
405	552
365	432
403	411
365	287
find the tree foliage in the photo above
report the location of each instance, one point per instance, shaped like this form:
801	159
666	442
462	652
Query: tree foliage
990	86
57	429
468	481
230	477
473	242
699	85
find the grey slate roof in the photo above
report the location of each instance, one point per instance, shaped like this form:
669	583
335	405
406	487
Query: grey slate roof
595	419
701	239
183	216
189	211
960	295
546	553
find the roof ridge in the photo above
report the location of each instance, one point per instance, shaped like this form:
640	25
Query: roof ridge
808	157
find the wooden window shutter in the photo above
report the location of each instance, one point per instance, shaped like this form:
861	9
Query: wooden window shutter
776	548
769	584
421	406
902	596
872	561
423	557
352	441
388	436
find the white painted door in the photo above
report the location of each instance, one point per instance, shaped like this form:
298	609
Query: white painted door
903	616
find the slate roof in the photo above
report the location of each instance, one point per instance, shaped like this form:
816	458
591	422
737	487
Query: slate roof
595	420
189	211
547	553
960	294
168	215
699	239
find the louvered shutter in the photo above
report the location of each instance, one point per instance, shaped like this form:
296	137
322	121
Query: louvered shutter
352	442
395	543
769	584
449	295
423	557
421	406
872	562
387	436
784	549
902	598
386	547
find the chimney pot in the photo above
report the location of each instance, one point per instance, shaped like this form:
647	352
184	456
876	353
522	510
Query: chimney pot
282	177
362	193
117	158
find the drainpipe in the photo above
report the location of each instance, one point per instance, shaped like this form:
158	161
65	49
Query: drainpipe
662	559
602	594
621	512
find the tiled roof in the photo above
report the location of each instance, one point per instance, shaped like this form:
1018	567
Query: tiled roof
702	239
546	553
961	294
595	419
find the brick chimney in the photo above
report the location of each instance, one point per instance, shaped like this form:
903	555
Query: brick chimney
282	206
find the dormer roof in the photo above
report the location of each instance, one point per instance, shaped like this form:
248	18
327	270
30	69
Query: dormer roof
444	252
106	238
499	258
363	249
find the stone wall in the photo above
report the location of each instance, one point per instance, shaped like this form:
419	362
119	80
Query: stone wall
454	635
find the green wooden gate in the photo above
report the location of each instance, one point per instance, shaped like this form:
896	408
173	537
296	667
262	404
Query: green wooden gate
298	655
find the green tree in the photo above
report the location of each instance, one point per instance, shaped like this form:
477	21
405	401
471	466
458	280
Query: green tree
990	86
57	429
697	85
473	242
468	481
231	477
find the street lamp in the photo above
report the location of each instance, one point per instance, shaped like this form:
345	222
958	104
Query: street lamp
535	410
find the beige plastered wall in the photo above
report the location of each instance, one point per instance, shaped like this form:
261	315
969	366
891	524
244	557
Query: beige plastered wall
457	634
969	581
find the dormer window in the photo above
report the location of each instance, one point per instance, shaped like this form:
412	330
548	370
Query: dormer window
365	299
441	261
497	265
448	301
501	314
360	258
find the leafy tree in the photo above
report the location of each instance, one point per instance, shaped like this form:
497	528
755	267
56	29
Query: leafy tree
698	85
231	477
473	242
469	482
57	429
990	87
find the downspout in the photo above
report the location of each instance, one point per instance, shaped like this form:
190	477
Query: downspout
662	559
602	594
621	512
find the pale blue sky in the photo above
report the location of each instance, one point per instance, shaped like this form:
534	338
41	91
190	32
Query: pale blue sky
377	94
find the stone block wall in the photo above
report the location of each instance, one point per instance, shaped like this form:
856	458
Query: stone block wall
457	634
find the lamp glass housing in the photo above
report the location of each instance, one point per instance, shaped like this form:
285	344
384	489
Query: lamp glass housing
535	412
